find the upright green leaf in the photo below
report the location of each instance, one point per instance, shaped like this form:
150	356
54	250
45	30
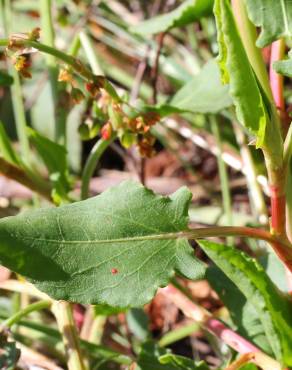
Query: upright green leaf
55	158
6	149
138	323
189	11
274	18
252	106
204	93
242	312
236	70
273	307
116	248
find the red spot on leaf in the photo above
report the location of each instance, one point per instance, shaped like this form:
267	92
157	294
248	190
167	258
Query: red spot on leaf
114	271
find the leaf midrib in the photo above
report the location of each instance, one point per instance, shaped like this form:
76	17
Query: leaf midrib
164	236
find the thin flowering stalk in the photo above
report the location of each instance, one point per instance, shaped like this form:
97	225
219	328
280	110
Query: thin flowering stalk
71	61
37	306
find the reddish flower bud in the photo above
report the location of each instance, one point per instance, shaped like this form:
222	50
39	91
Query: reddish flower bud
106	131
93	89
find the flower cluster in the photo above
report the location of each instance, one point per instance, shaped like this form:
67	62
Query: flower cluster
20	54
107	114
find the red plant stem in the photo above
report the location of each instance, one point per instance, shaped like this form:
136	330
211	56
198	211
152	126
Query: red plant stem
277	188
229	337
276	80
278	206
278	224
202	316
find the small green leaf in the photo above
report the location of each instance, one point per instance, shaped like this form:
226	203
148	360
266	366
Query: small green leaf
188	12
273	307
204	93
181	363
253	108
5	79
274	17
284	67
152	357
53	155
6	149
116	248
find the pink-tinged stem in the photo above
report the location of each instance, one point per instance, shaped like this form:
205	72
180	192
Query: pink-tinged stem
204	317
229	337
276	80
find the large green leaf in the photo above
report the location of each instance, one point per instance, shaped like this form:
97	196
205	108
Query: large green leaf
204	93
273	16
116	248
188	12
242	312
252	106
273	307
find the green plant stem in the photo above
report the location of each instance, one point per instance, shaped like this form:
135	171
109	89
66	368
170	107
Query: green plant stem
37	306
226	196
90	53
178	334
97	329
248	35
91	163
66	324
68	59
48	36
16	93
75	46
255	191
